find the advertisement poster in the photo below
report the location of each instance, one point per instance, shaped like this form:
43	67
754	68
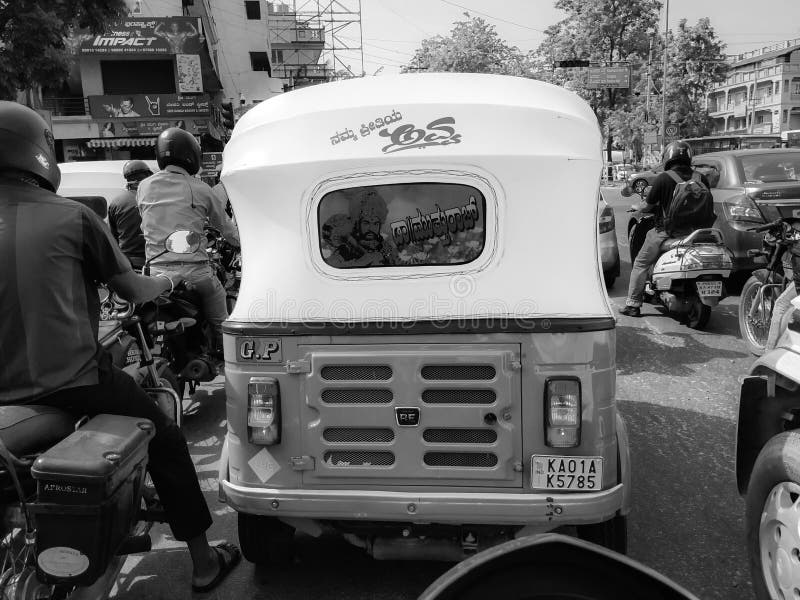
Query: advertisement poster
137	106
152	35
190	75
121	128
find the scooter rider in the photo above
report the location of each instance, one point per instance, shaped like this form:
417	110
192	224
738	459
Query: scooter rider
678	158
174	199
54	251
123	214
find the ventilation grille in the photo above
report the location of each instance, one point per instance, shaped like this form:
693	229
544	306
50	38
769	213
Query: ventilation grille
459	396
458	372
460	436
359	458
358	435
460	459
357	396
357	373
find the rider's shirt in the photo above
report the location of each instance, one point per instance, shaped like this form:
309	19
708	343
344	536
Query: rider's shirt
172	200
126	225
53	251
663	188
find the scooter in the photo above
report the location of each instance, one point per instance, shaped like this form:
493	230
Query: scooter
688	279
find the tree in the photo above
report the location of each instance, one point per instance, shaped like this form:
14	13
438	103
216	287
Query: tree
697	63
473	46
605	32
33	33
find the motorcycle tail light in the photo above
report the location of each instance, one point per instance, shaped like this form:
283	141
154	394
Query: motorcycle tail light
263	411
691	262
606	221
744	209
562	405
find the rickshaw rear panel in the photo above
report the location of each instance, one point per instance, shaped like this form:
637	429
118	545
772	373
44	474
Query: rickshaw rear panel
422	333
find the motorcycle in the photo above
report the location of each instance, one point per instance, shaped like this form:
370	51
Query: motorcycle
688	279
552	567
762	289
175	329
227	261
75	496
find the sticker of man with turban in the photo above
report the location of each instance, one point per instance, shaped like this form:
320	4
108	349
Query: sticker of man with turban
364	245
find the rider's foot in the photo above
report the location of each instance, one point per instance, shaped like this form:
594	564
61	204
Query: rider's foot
631	311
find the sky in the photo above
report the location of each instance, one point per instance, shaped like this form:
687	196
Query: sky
393	29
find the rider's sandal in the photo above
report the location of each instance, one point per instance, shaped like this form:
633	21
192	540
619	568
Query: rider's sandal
228	556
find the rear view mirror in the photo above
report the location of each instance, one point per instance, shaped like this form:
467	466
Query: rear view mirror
626	192
183	242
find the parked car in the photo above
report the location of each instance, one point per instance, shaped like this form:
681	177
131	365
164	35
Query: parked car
607	242
638	180
768	465
750	188
623	171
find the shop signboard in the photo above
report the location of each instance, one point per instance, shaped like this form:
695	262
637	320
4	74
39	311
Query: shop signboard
137	106
152	35
135	128
190	73
211	160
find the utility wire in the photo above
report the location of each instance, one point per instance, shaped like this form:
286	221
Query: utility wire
488	16
406	19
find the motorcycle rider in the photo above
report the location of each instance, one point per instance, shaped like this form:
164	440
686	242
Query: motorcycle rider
123	214
55	251
678	158
174	199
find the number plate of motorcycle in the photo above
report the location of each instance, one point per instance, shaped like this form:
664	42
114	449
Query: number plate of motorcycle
709	288
574	473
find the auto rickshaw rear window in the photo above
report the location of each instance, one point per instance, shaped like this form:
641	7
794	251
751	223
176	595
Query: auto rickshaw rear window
401	225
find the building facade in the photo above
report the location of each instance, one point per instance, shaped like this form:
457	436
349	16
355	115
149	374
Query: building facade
761	94
169	63
296	46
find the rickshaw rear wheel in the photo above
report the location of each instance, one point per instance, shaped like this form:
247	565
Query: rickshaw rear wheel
265	540
611	534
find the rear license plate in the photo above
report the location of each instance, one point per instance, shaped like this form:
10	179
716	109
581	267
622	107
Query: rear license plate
579	473
709	288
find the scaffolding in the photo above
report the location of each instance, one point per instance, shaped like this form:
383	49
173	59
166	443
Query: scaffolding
336	24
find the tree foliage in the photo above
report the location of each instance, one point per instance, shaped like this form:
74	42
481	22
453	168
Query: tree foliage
33	33
473	46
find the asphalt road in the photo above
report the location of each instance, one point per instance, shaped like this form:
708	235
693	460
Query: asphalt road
678	390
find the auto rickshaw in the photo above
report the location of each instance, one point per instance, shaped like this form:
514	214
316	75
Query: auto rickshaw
422	354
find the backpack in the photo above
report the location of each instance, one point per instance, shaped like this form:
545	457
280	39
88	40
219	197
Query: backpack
691	205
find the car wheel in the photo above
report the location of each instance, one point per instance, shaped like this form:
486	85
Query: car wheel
612	534
265	540
609	279
772	518
639	185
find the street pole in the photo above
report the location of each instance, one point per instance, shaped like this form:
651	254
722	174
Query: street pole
752	100
664	83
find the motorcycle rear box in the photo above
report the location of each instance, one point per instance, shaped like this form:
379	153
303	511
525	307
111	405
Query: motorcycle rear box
89	489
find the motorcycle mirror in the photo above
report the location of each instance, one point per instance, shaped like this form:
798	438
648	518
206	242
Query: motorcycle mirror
626	192
551	566
183	242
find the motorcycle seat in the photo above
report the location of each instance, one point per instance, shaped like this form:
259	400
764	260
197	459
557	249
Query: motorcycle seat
701	236
27	429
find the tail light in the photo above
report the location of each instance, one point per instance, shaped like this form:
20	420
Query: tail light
263	411
606	221
562	405
744	209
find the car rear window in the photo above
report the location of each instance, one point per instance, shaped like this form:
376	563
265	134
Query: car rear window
773	167
402	225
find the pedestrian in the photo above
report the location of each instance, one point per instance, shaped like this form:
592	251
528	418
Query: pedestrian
55	250
174	199
123	214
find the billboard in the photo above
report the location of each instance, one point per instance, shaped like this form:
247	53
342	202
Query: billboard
609	77
153	35
190	73
122	128
146	106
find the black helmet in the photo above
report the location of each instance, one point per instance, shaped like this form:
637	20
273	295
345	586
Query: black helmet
178	147
677	153
27	144
135	170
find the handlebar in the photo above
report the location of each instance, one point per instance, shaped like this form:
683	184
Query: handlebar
768	226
